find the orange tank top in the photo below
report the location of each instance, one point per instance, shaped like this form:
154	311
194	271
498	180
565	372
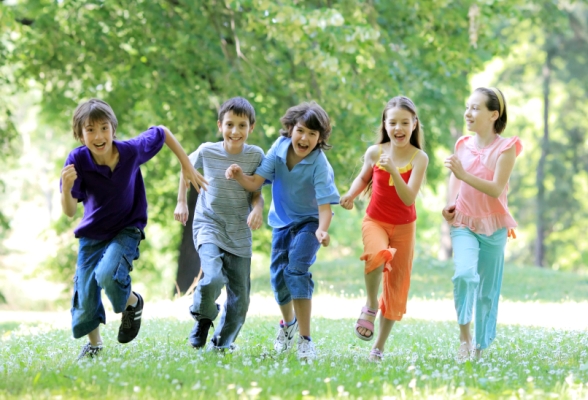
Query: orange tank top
385	205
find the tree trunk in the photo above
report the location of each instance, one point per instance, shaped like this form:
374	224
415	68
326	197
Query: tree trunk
188	260
541	206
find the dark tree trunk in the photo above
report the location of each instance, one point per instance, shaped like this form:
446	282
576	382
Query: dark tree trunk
188	260
541	206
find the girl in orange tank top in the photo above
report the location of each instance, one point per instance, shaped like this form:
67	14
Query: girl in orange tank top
388	229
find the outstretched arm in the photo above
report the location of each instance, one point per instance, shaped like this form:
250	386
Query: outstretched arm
493	188
251	183
362	180
188	171
69	204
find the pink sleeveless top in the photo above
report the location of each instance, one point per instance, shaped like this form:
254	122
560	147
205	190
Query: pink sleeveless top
385	204
476	210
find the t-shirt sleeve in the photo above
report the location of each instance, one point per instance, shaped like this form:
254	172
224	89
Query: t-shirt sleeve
196	157
324	183
513	141
267	168
148	143
78	190
461	142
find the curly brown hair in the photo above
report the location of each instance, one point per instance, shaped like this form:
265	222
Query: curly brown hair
313	117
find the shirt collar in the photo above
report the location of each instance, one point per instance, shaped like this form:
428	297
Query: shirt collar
282	152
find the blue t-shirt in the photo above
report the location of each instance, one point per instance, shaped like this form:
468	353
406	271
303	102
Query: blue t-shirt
113	200
296	194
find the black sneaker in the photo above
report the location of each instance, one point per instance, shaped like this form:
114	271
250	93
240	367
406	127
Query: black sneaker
199	333
130	322
90	351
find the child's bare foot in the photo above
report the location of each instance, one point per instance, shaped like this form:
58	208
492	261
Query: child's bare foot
465	352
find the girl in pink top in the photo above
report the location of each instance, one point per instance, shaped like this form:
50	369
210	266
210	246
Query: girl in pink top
477	211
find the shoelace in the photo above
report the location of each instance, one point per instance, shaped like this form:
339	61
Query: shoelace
127	319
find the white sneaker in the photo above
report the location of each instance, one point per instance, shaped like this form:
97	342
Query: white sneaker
306	349
285	336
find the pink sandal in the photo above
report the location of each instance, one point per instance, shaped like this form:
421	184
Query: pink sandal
364	323
376	355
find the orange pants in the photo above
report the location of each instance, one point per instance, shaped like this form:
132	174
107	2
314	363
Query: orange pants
392	246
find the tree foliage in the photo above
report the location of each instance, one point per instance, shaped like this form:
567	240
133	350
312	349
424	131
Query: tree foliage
174	62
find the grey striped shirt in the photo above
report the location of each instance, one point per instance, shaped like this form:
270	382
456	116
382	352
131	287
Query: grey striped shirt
222	210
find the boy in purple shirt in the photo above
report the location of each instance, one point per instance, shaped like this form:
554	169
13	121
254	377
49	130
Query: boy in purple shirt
105	175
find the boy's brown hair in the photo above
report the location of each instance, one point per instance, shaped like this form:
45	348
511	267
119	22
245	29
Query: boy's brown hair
93	110
313	117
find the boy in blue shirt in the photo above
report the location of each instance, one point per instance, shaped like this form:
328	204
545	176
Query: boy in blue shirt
105	175
223	220
303	190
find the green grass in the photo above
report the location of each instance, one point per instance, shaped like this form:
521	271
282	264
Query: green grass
39	362
419	363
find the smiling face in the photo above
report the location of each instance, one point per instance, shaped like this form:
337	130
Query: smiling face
98	136
304	140
477	116
235	130
399	124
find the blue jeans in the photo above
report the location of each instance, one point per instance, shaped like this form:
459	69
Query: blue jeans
479	262
221	268
294	251
102	264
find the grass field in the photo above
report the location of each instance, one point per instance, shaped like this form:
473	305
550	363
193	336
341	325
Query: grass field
38	361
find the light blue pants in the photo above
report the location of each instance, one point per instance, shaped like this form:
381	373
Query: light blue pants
479	262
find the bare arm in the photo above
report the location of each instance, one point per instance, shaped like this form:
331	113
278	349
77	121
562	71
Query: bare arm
188	171
251	183
69	204
181	212
325	216
454	185
496	186
362	180
408	191
255	218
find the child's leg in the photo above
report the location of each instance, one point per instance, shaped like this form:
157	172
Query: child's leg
490	268
112	272
210	285
301	255
94	337
87	310
466	249
383	332
278	264
237	272
396	280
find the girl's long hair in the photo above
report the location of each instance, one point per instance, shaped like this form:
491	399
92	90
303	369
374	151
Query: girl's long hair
417	138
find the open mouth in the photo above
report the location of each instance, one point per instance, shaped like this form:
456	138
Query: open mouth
399	136
302	147
100	146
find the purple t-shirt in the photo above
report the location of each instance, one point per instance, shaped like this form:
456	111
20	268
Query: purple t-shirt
114	200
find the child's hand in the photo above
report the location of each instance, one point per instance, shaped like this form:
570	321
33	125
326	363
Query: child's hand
346	202
181	212
233	172
386	163
255	218
453	163
68	177
323	237
192	176
449	213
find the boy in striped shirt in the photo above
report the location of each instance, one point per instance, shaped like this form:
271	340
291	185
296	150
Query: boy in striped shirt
224	217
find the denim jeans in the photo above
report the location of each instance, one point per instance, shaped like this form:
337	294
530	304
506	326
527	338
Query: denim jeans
294	251
103	264
221	268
